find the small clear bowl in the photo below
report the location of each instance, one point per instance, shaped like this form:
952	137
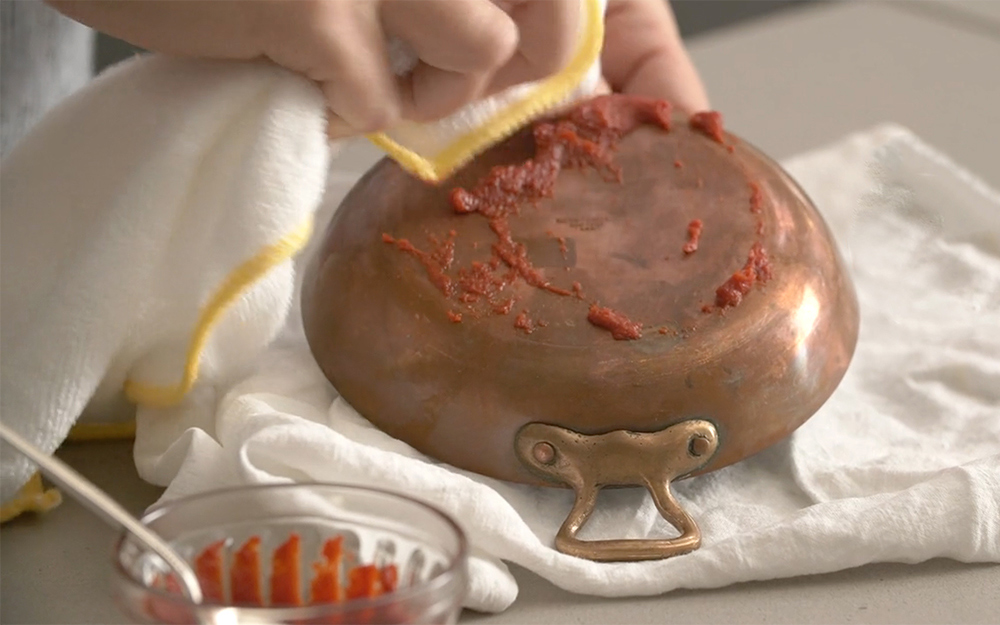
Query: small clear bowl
397	560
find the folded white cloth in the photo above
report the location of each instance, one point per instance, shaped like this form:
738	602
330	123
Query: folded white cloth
902	464
148	227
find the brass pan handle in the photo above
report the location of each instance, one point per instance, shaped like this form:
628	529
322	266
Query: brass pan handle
587	463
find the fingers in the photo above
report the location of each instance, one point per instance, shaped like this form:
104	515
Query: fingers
472	48
341	46
466	49
362	91
548	38
644	55
429	93
460	43
463	36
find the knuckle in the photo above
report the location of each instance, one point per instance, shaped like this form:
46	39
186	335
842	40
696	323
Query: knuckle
434	100
359	109
314	18
552	60
495	43
553	38
377	117
324	12
435	110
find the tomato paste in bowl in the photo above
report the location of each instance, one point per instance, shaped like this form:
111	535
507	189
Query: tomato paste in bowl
302	553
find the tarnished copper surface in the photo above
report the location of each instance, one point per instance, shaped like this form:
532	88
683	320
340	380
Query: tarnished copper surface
460	392
620	458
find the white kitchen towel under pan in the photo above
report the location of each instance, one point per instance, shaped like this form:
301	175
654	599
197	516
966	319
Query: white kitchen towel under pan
902	464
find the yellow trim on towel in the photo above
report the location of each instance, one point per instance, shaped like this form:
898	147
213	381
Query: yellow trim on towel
34	497
235	284
86	432
549	93
31	498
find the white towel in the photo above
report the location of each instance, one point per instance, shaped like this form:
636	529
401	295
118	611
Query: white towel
901	465
148	227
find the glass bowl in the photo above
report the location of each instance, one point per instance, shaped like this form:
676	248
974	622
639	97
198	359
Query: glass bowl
298	553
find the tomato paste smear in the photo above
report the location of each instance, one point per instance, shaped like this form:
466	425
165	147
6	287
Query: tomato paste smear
436	262
286	587
245	573
756	198
208	568
524	323
327	584
621	327
757	207
693	236
709	123
504	307
586	137
563	248
757	269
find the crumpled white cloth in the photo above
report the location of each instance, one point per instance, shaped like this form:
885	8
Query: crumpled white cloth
149	225
902	464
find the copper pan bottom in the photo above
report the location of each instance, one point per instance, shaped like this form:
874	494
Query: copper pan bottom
388	338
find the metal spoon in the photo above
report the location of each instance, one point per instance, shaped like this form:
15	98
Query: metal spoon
87	493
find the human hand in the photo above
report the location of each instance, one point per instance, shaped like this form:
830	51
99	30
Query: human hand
644	55
466	48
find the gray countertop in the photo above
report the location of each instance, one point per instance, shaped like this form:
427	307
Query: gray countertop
788	83
807	77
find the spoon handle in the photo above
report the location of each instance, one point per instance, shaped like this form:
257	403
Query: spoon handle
88	494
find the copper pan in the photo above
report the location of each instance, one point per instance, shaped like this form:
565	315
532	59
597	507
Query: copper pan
568	405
